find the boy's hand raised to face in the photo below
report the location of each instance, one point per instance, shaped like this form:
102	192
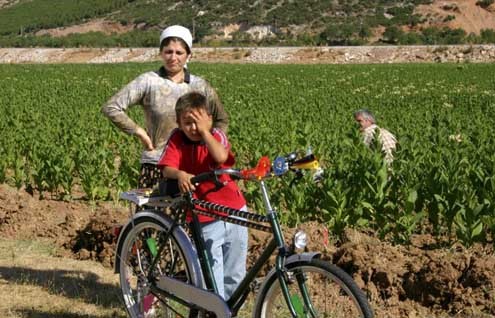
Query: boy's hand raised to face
203	121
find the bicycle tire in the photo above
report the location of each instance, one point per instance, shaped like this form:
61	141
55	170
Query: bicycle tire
140	241
332	292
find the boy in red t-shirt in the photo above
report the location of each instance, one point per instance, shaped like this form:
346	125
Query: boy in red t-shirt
196	147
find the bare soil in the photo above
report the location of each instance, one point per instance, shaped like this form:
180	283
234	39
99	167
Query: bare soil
425	279
96	25
464	14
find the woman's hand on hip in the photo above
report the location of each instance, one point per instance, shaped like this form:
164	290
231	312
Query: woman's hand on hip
145	138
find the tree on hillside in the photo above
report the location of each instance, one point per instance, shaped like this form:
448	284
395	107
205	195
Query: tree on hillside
339	34
487	36
392	35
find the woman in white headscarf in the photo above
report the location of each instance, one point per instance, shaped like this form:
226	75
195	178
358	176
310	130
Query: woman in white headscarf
157	92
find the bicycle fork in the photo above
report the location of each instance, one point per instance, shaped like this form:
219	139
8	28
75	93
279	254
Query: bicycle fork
293	302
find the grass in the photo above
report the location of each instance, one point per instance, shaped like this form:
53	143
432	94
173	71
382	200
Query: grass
35	283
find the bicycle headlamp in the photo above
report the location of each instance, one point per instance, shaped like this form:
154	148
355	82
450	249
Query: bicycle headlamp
300	240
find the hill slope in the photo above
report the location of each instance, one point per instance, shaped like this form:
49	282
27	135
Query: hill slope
468	16
56	23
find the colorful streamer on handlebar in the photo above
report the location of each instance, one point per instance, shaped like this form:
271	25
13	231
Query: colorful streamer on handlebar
261	170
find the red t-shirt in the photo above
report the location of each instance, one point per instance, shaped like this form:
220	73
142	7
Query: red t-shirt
194	158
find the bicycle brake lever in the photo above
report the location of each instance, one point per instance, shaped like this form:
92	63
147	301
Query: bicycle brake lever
297	177
291	157
318	175
217	183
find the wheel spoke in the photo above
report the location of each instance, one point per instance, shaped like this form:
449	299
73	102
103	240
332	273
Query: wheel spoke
316	289
138	252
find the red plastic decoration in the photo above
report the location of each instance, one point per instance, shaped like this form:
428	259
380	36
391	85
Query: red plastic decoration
260	171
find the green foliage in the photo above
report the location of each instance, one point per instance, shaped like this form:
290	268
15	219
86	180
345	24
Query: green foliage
487	36
449	18
433	35
345	34
410	38
392	35
54	139
400	13
135	38
29	16
484	3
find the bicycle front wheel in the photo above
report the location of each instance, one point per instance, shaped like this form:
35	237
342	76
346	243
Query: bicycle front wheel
316	289
140	246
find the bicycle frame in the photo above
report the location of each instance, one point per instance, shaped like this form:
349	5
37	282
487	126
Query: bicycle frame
239	296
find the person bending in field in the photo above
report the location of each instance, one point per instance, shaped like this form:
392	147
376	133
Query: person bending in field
197	147
369	131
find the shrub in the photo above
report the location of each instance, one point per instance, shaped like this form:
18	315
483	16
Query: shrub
484	3
487	36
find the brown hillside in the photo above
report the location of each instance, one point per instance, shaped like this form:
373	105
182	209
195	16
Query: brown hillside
468	16
6	3
464	14
96	25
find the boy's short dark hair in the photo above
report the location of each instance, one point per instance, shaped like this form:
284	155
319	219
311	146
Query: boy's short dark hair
191	100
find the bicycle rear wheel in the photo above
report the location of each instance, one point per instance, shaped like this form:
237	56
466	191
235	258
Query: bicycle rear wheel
330	291
140	245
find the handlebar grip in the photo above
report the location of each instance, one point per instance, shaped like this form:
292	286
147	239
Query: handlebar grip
202	177
305	159
307	162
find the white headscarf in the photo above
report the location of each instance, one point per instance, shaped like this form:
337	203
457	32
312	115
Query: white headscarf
179	32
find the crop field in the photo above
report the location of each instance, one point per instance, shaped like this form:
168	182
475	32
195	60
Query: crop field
55	141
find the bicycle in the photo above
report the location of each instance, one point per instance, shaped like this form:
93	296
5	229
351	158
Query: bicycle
160	262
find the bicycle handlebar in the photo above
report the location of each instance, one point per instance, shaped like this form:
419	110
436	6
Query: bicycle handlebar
264	169
204	176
